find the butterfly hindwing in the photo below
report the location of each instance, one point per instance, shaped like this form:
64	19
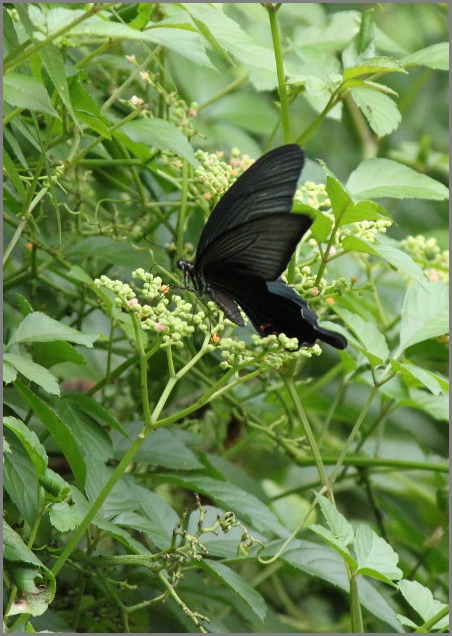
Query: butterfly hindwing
274	307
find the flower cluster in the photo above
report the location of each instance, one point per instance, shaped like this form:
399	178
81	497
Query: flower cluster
313	194
215	174
429	255
271	352
308	287
168	316
368	230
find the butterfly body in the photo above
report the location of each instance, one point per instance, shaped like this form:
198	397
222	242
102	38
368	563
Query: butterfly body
246	245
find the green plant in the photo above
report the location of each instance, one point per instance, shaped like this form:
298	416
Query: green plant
153	451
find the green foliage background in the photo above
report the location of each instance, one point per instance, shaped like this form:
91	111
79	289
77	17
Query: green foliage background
223	486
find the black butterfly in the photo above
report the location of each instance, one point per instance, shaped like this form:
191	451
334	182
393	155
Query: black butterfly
246	245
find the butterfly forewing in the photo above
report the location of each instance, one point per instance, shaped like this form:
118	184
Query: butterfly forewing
267	187
262	247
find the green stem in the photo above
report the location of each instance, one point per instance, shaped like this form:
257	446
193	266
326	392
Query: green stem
143	357
97	503
427	626
317	121
185	609
355	605
373	462
351	437
280	72
213	392
290	384
183	209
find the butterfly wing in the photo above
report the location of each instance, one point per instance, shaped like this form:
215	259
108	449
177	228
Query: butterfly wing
273	307
261	247
283	293
267	187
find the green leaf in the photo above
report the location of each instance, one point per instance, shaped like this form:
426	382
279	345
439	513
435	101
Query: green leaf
375	556
120	499
160	134
364	211
376	178
64	517
180	39
421	600
33	372
11	43
54	65
35	583
425	314
37	327
237	584
161	448
373	65
412	373
91	438
436	406
87	109
320	71
160	518
322	226
50	353
339	533
339	197
20	480
336	521
110	529
434	56
9	371
207	33
12	173
91	407
23	91
322	562
335	543
58	429
372	342
77	273
30	442
258	59
394	256
176	38
380	110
